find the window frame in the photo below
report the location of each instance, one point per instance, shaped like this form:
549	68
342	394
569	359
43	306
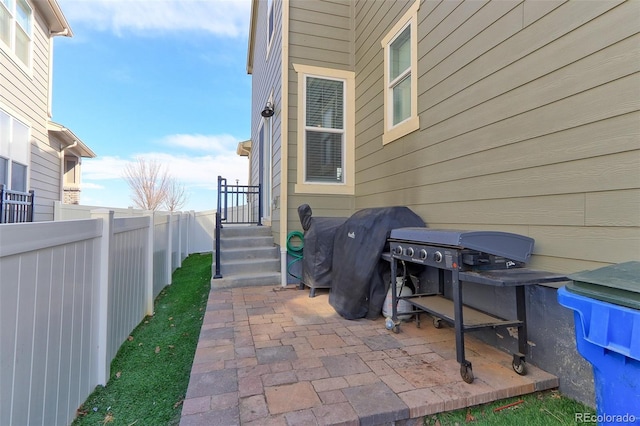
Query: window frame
347	186
13	23
20	155
412	123
270	27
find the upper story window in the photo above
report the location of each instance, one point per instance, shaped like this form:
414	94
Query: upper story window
270	24
326	116
16	28
16	19
401	77
14	152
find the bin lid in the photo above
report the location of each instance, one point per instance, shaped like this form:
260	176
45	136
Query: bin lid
618	284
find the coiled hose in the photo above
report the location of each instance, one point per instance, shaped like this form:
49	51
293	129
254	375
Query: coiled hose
294	250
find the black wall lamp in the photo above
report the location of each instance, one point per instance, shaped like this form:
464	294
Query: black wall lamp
267	111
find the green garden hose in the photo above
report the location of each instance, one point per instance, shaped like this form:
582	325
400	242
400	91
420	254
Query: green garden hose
294	250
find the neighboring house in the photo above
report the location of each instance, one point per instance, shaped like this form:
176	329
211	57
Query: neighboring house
35	153
74	150
520	116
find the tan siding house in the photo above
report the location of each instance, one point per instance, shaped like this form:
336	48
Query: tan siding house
32	157
520	116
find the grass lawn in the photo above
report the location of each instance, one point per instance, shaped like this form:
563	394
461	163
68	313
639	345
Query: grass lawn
150	374
545	408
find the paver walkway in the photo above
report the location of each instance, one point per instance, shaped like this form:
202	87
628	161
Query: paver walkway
274	356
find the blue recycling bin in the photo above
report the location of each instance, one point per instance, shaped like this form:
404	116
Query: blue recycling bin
606	305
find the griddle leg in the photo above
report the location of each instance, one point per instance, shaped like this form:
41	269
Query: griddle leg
393	323
466	370
518	363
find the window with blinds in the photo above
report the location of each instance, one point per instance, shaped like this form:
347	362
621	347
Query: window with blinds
324	130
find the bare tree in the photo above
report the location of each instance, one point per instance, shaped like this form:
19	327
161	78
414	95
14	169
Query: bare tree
176	196
148	181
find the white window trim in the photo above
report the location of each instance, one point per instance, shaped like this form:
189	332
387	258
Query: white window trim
411	124
10	50
9	156
270	9
347	187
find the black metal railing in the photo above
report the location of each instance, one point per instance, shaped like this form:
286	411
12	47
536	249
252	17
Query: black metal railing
16	206
237	204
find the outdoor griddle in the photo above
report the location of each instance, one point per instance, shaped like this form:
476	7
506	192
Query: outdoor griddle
489	258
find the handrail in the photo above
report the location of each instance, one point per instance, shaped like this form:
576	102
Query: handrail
236	205
16	206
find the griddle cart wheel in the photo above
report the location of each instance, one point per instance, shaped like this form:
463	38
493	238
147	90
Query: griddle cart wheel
389	324
466	372
518	364
437	322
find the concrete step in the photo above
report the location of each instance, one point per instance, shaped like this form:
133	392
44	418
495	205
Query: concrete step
249	254
245	242
247	267
247	280
234	231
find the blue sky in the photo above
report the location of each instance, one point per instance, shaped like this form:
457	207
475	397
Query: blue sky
162	79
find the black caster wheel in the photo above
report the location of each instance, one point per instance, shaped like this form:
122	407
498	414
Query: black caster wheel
519	367
467	373
301	286
437	322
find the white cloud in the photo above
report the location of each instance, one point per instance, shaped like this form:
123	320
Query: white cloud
229	18
192	171
207	143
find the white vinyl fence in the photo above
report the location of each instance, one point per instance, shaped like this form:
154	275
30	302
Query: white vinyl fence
71	291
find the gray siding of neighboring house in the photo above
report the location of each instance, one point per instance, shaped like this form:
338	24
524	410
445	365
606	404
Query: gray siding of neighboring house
530	123
28	96
320	34
267	77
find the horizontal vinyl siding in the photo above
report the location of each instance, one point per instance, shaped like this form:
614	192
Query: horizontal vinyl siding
530	123
320	34
27	96
266	76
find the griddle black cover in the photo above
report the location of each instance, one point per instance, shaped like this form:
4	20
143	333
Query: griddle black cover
357	289
317	255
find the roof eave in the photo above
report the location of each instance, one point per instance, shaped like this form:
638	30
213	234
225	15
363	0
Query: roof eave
67	137
55	19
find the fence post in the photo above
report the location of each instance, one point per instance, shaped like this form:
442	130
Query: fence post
149	263
104	280
179	253
169	260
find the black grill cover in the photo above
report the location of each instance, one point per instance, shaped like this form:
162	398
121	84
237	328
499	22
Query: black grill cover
358	289
317	255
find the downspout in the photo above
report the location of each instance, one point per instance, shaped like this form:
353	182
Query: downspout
284	143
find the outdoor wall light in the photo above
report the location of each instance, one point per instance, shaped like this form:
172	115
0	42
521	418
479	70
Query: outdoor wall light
267	111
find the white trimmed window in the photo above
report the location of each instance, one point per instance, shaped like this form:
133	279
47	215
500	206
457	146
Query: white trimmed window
326	117
401	77
270	24
16	19
14	152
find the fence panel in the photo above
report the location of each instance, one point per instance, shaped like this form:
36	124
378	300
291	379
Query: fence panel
48	306
127	292
202	232
160	252
63	211
175	241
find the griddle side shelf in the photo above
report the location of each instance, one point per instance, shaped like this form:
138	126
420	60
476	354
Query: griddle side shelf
454	312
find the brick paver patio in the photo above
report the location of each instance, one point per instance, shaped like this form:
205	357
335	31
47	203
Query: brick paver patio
274	356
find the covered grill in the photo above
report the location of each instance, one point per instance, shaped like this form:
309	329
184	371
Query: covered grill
484	257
